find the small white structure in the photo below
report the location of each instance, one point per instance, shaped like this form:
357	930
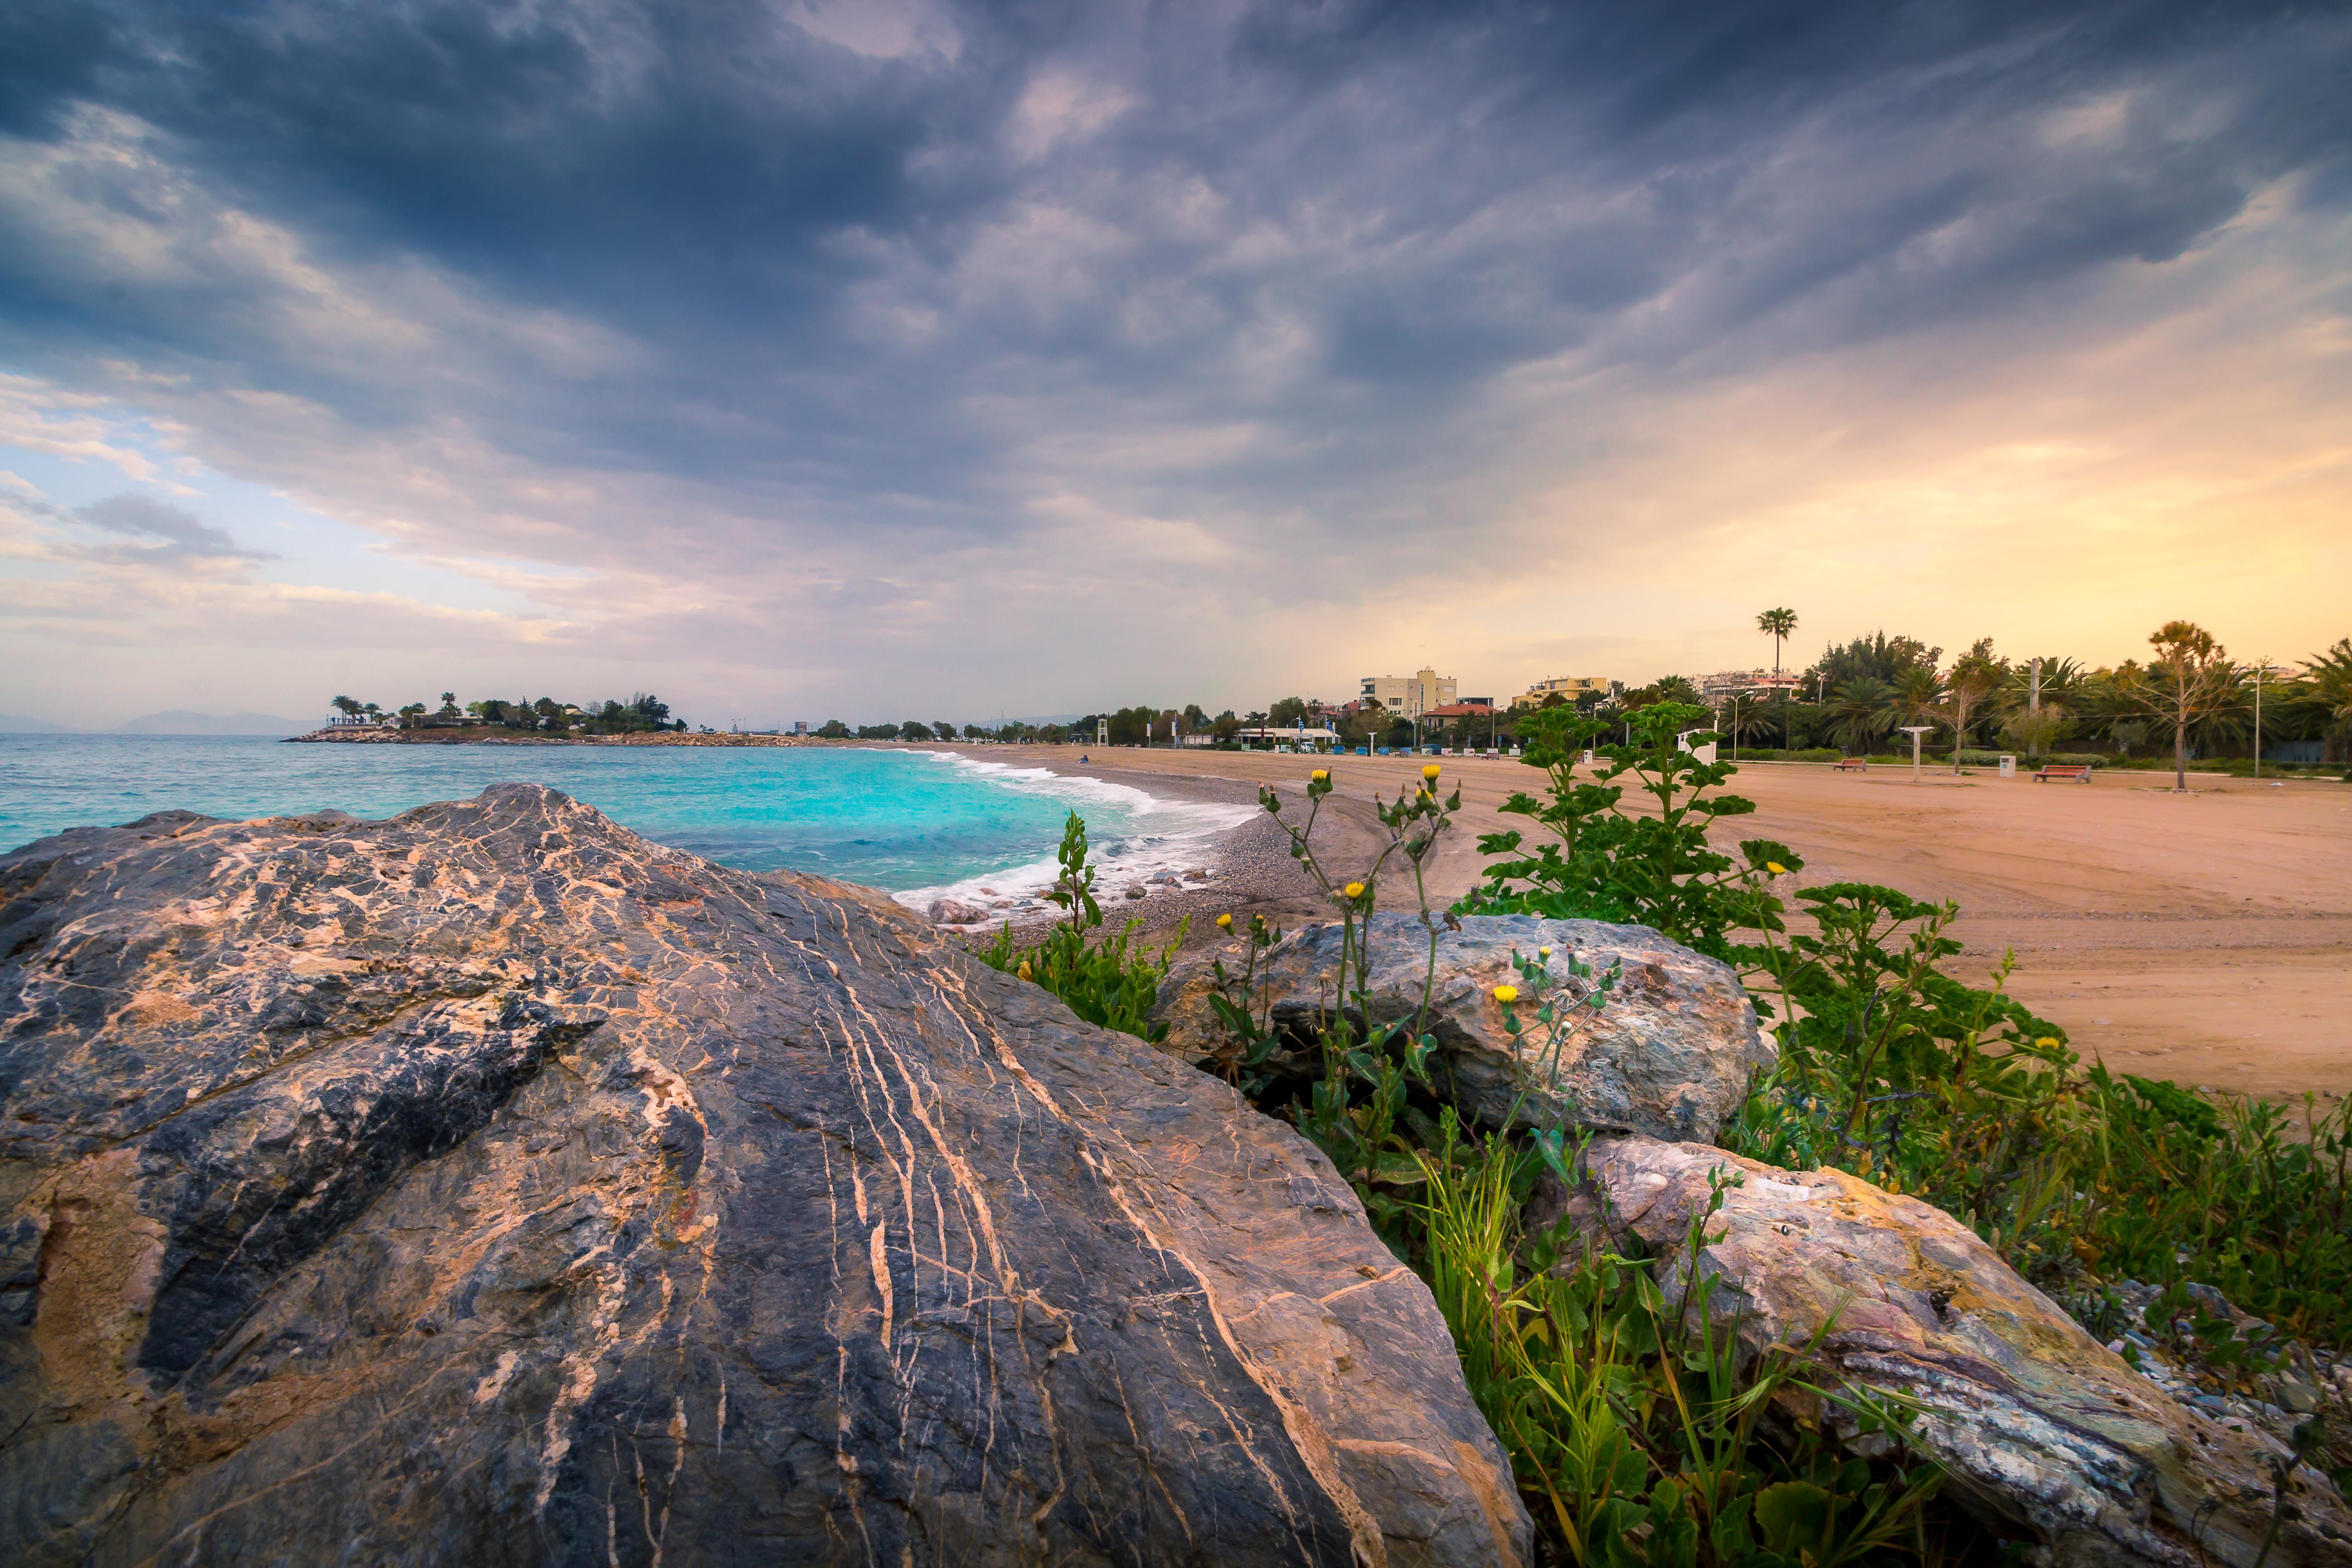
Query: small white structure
2008	767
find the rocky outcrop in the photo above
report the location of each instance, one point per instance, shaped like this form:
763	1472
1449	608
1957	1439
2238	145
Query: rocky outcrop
2040	1427
1669	1054
492	1185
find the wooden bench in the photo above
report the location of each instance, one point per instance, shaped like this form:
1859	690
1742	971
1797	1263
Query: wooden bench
1852	765
2074	771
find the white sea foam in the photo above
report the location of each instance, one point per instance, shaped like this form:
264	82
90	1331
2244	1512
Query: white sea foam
1152	837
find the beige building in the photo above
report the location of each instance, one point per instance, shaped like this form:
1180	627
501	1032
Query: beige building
1411	695
1568	688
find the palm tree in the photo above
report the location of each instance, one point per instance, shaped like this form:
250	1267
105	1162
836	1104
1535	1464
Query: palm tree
1861	712
1780	624
350	707
1915	695
2327	676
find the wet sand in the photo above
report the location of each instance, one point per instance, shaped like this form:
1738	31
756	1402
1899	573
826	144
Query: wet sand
2205	938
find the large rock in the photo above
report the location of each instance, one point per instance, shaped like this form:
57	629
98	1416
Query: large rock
2040	1425
1669	1054
491	1185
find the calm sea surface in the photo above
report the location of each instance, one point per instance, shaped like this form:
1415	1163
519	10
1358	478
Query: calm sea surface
899	820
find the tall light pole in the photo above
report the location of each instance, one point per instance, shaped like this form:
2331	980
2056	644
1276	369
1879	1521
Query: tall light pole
2262	666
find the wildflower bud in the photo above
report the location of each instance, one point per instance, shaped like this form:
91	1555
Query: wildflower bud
1507	994
1543	952
1224	922
1022	972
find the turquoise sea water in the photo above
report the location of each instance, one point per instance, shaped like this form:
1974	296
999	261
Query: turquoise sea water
896	819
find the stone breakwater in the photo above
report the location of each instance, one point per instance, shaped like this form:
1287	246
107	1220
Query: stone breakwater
492	1184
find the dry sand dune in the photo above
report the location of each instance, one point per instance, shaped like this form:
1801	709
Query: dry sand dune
2206	937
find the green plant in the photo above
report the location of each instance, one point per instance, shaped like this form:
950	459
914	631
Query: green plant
1893	1069
1636	1426
1655	868
1112	981
1361	1136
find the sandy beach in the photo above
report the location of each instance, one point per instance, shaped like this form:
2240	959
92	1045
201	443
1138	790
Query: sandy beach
2205	938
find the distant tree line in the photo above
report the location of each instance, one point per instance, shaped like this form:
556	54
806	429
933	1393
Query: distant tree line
2187	698
643	712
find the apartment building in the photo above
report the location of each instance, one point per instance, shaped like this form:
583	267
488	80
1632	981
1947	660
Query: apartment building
1411	695
1567	688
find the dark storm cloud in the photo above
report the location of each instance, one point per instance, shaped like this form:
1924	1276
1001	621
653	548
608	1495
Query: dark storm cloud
811	265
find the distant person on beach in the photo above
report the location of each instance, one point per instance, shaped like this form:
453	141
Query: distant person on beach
1082	756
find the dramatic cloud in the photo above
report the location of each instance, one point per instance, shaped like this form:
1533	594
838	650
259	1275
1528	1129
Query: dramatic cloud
164	531
841	357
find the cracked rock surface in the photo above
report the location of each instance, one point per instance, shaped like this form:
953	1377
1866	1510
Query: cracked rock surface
2039	1426
493	1185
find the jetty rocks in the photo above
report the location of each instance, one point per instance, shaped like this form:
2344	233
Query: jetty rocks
493	1185
1669	1054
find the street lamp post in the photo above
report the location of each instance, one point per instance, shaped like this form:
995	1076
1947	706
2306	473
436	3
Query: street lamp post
2260	666
1915	732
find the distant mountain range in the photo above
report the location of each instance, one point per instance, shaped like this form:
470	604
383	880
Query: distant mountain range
176	721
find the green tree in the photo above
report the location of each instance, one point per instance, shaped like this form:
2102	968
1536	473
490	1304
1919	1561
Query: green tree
1915	695
1975	678
1860	712
2193	680
349	706
1878	656
2325	689
1287	711
1777	624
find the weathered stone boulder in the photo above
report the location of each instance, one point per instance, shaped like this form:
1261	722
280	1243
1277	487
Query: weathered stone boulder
491	1185
1669	1054
956	913
2040	1425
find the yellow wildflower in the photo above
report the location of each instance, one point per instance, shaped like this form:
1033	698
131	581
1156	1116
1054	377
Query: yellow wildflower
1224	922
1431	770
1507	994
1776	868
1354	889
2047	1040
1543	952
1022	972
1321	774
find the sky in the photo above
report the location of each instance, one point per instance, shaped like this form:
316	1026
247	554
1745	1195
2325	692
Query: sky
812	358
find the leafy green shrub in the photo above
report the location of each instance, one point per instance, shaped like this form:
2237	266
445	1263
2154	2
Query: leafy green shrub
1112	981
1605	863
